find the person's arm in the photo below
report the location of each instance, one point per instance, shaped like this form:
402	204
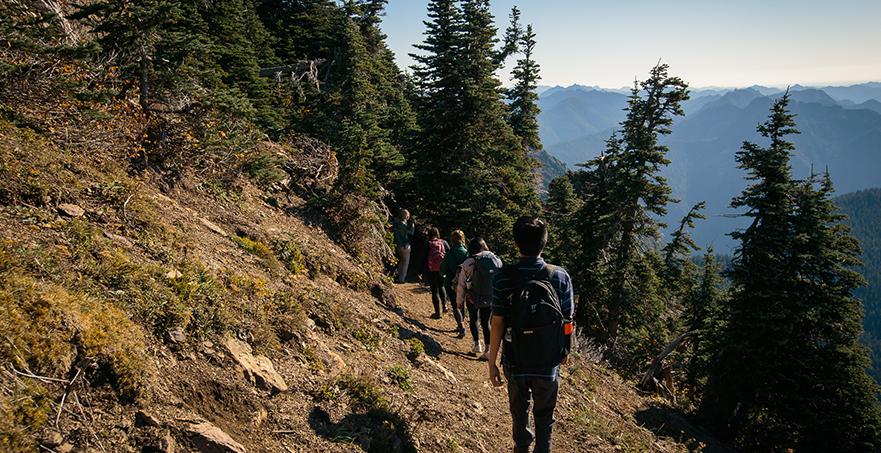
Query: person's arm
500	306
567	306
496	333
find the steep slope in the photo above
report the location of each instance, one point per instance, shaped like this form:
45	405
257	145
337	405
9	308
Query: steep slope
142	313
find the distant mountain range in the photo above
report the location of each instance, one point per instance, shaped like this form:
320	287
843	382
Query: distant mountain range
840	130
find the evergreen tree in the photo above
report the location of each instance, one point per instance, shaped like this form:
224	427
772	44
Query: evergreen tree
466	142
703	317
624	303
523	114
679	270
790	371
560	209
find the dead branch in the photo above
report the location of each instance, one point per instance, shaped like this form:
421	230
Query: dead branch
648	377
64	396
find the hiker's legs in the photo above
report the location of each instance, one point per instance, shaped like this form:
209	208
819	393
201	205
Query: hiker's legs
544	396
403	263
485	314
451	294
434	282
472	321
518	402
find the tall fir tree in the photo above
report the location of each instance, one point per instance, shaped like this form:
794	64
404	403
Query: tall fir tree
790	371
523	97
623	301
560	209
466	142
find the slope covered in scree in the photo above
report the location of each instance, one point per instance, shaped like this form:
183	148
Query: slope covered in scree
137	314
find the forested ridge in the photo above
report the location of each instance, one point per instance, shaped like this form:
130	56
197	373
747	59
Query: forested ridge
302	104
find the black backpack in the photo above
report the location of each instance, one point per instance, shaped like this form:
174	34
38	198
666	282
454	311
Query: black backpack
486	266
536	320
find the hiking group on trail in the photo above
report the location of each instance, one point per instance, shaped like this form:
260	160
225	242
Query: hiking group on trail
522	310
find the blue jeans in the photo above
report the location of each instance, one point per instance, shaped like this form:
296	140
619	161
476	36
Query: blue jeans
403	263
542	392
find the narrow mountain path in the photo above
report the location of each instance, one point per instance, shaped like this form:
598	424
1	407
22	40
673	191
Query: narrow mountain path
596	411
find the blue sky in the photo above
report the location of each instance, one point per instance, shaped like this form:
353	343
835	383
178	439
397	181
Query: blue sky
707	42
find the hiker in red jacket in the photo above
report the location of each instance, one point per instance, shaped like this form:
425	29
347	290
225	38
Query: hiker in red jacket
437	249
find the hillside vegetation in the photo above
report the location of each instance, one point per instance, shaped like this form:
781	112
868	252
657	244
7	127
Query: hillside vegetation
177	274
195	252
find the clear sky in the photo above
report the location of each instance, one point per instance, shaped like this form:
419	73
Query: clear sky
723	43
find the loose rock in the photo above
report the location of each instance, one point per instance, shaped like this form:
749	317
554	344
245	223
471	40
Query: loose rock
52	439
211	226
143	419
210	439
177	335
258	369
71	210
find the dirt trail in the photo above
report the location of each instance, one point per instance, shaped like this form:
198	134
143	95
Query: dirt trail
596	410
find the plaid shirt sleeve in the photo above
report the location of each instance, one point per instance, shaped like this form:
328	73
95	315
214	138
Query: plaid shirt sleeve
563	284
502	287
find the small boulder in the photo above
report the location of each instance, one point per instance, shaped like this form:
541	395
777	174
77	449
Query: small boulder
176	335
208	438
173	274
71	210
258	369
52	439
145	419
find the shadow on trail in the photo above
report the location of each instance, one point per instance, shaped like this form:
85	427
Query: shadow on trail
432	347
667	422
377	430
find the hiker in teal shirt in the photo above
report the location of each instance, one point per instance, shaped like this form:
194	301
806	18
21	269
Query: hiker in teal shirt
450	266
402	229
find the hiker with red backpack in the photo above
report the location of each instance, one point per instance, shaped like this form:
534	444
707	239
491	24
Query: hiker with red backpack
475	290
532	310
437	249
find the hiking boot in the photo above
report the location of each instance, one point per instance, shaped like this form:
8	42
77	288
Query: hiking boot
483	357
436	316
476	349
461	333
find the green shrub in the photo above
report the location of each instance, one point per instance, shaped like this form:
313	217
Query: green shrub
400	377
289	253
415	348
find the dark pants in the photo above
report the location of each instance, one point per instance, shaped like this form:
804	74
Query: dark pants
543	394
438	295
451	294
480	315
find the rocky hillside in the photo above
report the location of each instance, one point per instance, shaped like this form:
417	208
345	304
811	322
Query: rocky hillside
141	312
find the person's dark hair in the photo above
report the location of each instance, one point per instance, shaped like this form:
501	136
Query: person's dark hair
433	233
477	245
530	235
